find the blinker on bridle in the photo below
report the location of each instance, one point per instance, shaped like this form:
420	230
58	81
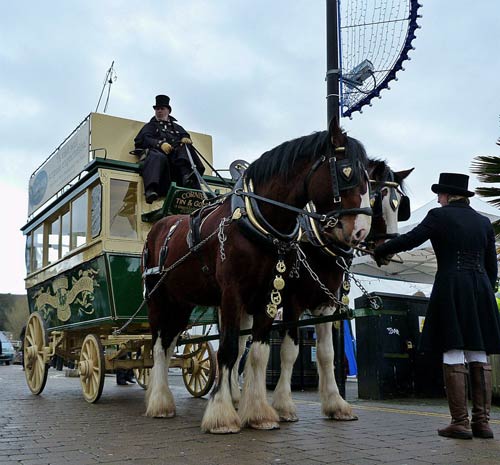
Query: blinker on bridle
402	206
344	174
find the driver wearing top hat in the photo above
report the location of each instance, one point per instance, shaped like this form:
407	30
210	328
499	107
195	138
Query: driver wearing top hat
462	320
167	159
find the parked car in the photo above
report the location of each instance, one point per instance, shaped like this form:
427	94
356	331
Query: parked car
7	352
18	353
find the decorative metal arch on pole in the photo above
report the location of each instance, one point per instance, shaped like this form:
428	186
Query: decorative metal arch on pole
368	42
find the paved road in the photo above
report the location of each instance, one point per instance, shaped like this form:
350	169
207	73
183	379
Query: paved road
59	427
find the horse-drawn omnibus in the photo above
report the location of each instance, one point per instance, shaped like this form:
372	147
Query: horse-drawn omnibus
87	223
293	217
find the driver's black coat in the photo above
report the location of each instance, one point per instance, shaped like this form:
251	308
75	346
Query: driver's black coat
159	169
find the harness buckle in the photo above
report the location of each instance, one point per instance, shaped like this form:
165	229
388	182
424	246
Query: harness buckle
331	223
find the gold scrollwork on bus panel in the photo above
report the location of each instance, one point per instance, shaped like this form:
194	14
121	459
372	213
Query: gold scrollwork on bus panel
63	294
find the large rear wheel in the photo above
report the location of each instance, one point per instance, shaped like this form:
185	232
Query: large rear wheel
92	368
200	366
35	363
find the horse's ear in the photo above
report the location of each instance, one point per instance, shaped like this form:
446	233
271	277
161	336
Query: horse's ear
336	134
376	168
400	175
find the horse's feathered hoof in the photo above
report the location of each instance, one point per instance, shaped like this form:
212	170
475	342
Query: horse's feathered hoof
225	430
265	425
170	414
344	417
289	417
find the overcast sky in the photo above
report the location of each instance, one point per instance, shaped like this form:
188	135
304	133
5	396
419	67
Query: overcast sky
250	73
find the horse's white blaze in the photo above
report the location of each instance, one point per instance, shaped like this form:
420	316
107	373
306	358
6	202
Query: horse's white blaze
362	223
220	415
159	398
282	398
254	409
390	216
332	403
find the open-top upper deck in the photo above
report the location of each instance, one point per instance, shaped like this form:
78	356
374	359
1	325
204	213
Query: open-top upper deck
87	198
98	139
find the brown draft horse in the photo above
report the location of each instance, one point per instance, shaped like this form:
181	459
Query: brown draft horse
234	255
389	204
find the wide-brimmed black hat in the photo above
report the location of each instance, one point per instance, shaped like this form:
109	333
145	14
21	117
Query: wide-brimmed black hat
453	183
162	101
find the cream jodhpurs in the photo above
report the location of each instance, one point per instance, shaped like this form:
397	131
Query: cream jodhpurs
459	357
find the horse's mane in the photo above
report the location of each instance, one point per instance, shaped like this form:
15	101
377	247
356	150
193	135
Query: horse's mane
381	170
280	160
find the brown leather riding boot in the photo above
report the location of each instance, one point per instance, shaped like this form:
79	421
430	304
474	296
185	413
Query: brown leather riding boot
455	381
480	376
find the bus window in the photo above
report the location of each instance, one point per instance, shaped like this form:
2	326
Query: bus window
53	240
95	210
37	255
79	221
65	231
28	252
123	209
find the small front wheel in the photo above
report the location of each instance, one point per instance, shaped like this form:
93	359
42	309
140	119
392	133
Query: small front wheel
199	369
92	368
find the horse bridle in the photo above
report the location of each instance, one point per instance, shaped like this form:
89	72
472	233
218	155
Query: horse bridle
402	205
345	174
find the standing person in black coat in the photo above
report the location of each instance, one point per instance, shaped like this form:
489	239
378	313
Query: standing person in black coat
462	319
166	159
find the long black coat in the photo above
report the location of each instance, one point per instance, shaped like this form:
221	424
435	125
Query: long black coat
462	312
154	133
159	169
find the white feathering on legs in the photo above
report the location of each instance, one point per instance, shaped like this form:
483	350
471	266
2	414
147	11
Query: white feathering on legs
159	399
282	397
254	409
220	416
332	404
246	323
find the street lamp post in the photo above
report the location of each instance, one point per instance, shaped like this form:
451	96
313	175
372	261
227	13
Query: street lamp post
333	111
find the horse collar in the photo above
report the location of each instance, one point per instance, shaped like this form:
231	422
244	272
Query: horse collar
252	222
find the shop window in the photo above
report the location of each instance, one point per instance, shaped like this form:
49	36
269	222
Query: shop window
123	209
79	221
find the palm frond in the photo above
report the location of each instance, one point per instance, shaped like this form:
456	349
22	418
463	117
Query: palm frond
488	191
487	168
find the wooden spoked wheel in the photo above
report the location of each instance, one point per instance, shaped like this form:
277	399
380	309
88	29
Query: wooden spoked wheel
92	368
141	374
35	366
199	368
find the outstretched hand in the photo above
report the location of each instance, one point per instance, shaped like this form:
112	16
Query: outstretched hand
380	257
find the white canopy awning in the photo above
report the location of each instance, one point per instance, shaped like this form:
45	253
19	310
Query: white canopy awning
419	265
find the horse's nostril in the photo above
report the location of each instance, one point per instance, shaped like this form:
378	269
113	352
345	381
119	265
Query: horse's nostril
360	234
